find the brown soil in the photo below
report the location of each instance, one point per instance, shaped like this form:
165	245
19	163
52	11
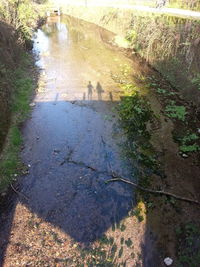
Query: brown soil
181	174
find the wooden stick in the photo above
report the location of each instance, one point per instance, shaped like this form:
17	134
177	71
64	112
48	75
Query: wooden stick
153	191
18	193
117	178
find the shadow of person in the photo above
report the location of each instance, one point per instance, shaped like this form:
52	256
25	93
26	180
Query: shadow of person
90	90
99	90
111	96
84	96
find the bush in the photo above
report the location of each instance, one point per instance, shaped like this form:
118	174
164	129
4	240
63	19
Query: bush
19	14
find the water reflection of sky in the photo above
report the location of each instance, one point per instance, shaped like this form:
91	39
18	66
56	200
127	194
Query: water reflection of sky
62	32
42	42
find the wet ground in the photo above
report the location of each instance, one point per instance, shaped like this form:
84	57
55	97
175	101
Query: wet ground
72	145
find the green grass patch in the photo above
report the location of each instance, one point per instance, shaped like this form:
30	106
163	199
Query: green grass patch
176	112
188	143
23	87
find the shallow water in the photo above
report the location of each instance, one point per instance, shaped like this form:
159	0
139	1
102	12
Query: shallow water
72	142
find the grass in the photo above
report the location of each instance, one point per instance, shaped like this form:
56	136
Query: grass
23	86
187	143
176	112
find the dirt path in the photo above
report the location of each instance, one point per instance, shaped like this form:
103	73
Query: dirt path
67	215
164	10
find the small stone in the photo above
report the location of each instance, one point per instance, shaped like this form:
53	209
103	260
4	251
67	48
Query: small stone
184	155
3	194
56	151
29	165
168	261
32	104
198	130
15	175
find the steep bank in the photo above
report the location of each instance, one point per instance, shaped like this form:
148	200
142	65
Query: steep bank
9	54
16	79
169	44
16	83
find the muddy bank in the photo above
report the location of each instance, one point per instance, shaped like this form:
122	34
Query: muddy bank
170	44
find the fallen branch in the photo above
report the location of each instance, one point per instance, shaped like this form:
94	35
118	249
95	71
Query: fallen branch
153	191
116	178
18	193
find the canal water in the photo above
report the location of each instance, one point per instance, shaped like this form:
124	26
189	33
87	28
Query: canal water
72	146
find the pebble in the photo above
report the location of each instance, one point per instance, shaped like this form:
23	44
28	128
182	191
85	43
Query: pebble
168	261
29	165
198	130
32	104
185	156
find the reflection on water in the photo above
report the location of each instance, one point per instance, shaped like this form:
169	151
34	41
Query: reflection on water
73	54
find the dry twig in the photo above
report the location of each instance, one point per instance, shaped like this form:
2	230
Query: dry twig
18	193
153	191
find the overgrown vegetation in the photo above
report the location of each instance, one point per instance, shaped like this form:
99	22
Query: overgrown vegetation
135	112
17	20
174	111
22	15
188	143
186	135
23	86
171	45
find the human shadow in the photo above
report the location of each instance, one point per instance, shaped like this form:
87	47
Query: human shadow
99	90
111	96
68	188
90	88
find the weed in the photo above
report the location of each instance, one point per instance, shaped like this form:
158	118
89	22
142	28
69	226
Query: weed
187	143
9	162
128	242
161	91
176	112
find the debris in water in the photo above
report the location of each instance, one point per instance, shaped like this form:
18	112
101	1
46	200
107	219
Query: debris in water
56	151
184	155
32	104
168	261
